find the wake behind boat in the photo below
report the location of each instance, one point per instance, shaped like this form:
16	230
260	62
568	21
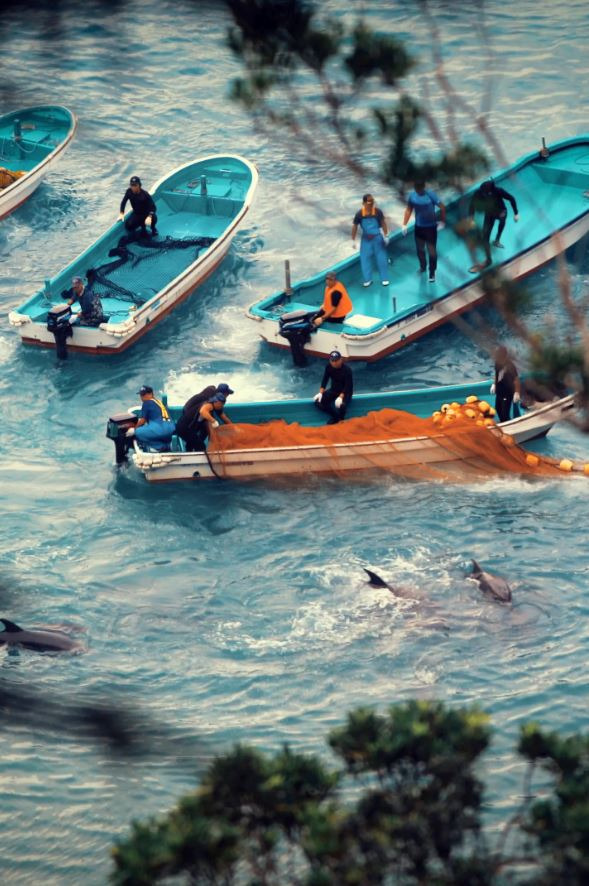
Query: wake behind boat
31	140
140	279
552	195
291	443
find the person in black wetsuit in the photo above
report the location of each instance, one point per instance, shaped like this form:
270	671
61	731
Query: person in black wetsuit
336	400
506	387
188	426
490	199
144	214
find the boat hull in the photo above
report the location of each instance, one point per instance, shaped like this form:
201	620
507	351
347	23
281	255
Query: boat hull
17	193
403	456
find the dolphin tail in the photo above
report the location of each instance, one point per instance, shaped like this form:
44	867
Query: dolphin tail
375	580
10	626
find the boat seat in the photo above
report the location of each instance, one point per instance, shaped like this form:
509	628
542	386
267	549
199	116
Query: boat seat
221	207
564	177
362	321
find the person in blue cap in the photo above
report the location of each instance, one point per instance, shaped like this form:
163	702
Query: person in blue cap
336	400
144	215
155	428
187	425
210	416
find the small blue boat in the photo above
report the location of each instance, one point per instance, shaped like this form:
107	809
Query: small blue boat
141	278
31	140
552	194
405	454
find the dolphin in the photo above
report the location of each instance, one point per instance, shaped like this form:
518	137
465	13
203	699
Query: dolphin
375	581
423	607
491	584
38	639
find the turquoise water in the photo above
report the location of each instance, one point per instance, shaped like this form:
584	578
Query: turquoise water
240	612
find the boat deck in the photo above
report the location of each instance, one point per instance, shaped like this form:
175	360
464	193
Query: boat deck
549	193
42	130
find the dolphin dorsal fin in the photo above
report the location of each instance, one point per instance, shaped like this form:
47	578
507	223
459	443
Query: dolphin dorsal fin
375	580
10	626
475	566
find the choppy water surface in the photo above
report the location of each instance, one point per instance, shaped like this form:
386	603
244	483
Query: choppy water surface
240	612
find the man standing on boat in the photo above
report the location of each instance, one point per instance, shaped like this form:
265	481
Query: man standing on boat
154	427
337	304
144	215
188	426
490	199
507	386
373	244
336	400
424	203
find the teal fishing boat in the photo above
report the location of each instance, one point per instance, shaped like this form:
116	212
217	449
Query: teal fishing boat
405	453
31	140
140	278
551	187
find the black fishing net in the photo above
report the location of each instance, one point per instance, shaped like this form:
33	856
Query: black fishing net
144	265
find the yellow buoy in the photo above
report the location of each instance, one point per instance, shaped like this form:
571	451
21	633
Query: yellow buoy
489	423
492	411
444	407
484	406
532	460
470	413
480	423
472	399
565	464
454	405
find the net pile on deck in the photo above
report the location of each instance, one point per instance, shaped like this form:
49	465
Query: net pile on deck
9	176
459	442
143	266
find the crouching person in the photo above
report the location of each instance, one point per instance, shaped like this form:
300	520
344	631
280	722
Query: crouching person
336	400
155	428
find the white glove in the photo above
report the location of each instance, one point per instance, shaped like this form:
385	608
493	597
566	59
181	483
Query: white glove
404	229
441	225
338	403
148	221
492	388
121	216
214	424
318	397
516	397
130	432
516	218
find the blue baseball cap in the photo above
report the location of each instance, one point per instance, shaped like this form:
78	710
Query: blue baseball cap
335	355
224	388
218	398
145	389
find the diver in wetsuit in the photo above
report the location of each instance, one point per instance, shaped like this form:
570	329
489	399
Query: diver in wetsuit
336	400
143	206
490	199
506	387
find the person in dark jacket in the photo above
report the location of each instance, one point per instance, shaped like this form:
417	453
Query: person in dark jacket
144	215
188	426
507	386
336	400
490	199
91	312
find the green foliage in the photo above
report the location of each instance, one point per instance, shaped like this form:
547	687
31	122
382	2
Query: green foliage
359	98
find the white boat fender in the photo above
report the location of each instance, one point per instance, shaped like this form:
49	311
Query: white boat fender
16	319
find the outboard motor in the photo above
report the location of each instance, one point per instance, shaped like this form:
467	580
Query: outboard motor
58	322
116	430
296	327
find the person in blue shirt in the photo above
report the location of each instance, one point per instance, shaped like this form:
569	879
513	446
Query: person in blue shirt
424	202
154	428
91	312
373	244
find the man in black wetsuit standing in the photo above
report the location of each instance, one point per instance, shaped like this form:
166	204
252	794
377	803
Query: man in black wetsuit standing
336	400
144	214
507	386
490	199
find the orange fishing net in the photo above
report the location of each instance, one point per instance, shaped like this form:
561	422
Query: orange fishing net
459	442
8	176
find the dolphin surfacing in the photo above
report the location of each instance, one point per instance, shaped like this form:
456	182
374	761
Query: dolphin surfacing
38	640
493	585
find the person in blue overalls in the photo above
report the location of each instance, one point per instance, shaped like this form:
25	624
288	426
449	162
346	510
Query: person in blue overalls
373	245
155	427
424	203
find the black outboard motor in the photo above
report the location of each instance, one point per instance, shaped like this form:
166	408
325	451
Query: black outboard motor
296	327
58	322
116	430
